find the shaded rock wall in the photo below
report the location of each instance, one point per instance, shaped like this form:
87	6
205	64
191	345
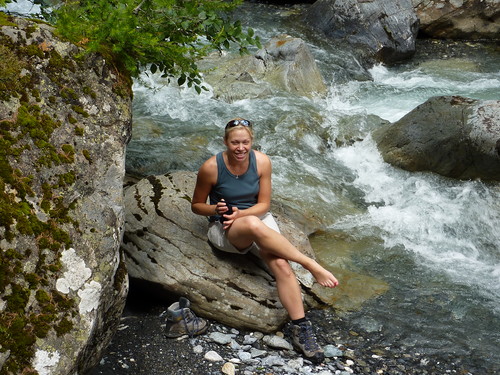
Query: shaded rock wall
64	123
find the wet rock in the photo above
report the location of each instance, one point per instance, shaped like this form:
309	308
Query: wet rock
285	63
332	351
459	19
453	136
385	29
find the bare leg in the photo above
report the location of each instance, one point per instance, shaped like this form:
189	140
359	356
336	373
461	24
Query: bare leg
288	288
250	229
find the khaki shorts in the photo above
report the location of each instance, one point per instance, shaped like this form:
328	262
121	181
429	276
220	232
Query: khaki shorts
218	238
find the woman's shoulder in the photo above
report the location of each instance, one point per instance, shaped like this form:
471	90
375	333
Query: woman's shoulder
261	157
210	165
263	162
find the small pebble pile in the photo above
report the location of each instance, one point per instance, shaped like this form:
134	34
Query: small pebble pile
256	353
140	347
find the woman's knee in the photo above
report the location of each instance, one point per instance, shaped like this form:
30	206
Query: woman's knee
281	268
252	224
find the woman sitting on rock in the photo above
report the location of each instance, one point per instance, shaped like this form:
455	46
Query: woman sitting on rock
237	182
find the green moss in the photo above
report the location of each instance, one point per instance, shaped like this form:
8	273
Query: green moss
86	154
63	327
67	178
79	131
88	91
78	109
68	94
6	20
33	50
73	120
42	296
17	300
30	30
32	279
10	69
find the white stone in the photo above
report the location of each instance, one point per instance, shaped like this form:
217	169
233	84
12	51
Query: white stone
198	349
277	342
213	356
257	352
228	368
296	363
273	360
44	362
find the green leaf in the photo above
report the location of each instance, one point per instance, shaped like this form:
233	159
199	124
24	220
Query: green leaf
169	36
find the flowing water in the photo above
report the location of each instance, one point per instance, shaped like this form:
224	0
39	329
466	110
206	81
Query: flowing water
429	245
432	241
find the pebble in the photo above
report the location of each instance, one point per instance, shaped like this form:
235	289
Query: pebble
213	356
273	360
276	342
228	368
229	352
221	338
331	351
244	356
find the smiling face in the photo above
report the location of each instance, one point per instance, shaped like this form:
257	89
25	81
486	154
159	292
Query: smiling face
239	143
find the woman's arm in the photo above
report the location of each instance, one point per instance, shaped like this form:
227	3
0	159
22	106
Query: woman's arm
207	177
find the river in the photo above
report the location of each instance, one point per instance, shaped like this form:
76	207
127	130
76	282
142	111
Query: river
432	242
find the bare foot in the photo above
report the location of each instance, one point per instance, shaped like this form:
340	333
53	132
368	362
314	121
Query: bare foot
323	276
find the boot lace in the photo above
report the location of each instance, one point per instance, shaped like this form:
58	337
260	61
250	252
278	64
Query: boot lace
307	338
192	323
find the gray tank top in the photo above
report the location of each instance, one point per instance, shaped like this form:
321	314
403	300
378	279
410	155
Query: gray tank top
241	191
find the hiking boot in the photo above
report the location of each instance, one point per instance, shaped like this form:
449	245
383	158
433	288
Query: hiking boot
182	321
304	339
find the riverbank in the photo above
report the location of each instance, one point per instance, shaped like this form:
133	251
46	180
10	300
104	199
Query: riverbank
140	347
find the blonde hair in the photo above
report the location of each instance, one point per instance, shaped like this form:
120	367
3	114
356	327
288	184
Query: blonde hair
230	126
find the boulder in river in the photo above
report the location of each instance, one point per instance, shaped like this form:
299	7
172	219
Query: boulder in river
166	244
385	30
459	19
285	63
64	123
449	135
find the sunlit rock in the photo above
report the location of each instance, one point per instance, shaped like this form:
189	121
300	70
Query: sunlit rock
283	64
165	243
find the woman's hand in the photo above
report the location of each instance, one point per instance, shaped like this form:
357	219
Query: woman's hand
229	219
221	207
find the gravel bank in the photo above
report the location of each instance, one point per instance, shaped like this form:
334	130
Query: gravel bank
140	347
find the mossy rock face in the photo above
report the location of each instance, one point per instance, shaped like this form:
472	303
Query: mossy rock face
64	124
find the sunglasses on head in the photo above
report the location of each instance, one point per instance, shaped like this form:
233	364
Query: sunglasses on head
233	123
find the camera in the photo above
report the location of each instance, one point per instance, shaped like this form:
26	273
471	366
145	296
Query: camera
228	212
